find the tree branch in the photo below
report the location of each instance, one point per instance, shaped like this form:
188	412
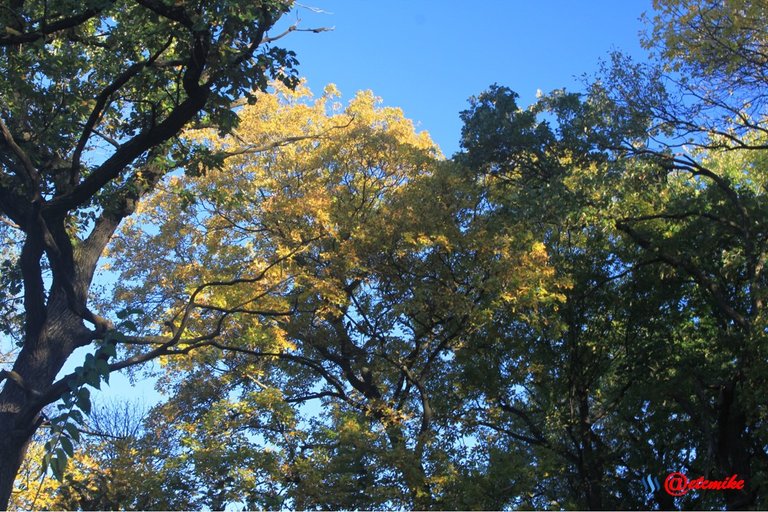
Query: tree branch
32	177
697	274
174	13
13	37
102	101
127	153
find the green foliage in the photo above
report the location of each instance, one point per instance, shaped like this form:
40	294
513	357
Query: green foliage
531	325
348	270
75	406
93	97
348	321
120	462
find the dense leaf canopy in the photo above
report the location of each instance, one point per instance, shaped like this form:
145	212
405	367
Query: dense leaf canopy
342	318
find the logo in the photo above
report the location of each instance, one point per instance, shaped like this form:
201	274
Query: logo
652	483
678	484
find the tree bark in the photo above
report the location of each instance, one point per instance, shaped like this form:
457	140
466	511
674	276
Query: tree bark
56	309
33	372
13	447
732	454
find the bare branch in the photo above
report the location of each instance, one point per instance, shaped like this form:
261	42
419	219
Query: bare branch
251	149
9	222
295	28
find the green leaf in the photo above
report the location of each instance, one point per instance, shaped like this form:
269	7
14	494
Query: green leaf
109	349
59	464
72	430
129	325
77	416
73	384
92	378
84	400
45	464
102	367
66	445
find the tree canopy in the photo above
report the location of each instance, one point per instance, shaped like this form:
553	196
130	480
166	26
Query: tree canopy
344	318
93	96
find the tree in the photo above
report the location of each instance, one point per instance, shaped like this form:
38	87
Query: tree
641	235
703	150
94	96
573	302
375	262
552	380
712	55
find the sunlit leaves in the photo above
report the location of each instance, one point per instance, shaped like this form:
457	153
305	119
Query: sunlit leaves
348	263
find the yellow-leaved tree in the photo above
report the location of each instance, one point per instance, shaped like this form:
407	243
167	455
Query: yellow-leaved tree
322	281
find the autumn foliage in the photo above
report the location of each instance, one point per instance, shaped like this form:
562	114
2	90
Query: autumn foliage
341	317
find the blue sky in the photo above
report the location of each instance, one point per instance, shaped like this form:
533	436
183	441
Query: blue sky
429	56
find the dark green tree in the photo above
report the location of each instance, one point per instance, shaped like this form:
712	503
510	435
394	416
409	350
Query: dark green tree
703	151
650	362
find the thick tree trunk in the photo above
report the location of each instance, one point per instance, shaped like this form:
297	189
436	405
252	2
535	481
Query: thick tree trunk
35	369
13	445
732	454
591	478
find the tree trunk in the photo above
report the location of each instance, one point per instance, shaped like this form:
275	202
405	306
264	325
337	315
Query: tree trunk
732	454
35	369
13	447
590	466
